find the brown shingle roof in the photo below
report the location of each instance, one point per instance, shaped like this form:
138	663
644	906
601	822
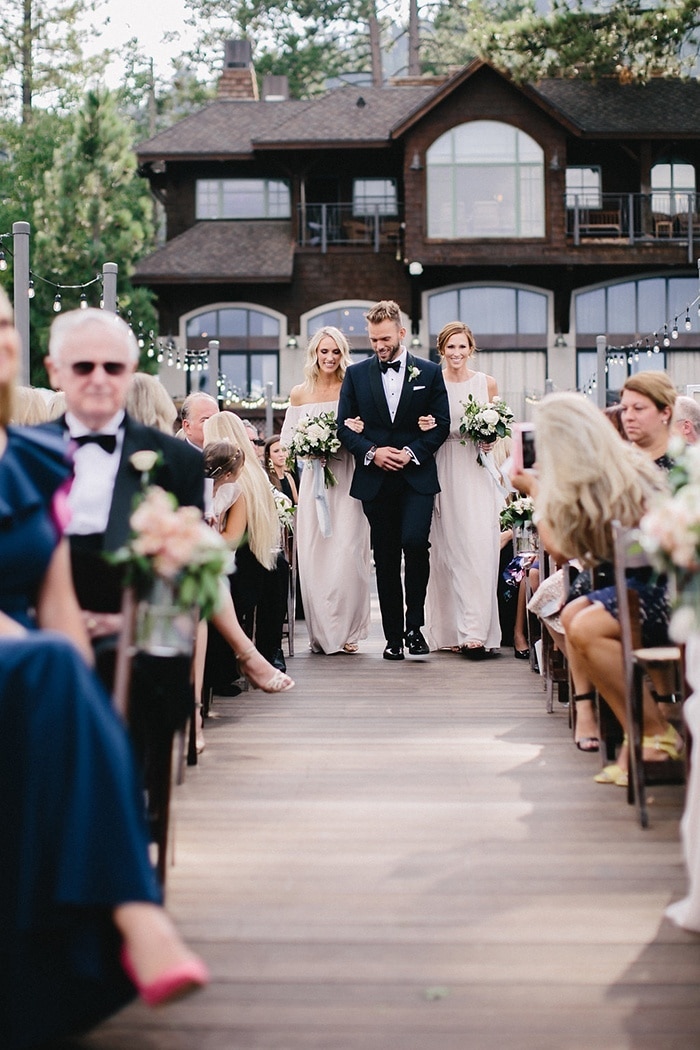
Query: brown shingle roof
222	251
660	107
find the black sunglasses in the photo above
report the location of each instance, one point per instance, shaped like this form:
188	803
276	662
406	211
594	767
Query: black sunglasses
84	368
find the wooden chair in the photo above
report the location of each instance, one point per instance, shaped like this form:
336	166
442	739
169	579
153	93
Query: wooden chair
637	661
554	668
154	695
290	550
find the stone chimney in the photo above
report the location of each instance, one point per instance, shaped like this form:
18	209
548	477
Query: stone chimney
237	81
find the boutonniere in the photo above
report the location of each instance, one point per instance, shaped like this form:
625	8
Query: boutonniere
413	373
144	462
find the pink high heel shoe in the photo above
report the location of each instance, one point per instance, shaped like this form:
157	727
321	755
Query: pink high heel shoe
173	984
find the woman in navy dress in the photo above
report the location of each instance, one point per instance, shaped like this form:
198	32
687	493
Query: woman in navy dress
80	908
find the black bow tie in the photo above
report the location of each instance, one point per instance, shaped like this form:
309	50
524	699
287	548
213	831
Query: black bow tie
384	365
106	441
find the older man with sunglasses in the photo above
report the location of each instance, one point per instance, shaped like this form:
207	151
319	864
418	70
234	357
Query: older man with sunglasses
92	356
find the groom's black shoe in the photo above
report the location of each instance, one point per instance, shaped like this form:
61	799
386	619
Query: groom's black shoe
393	651
416	643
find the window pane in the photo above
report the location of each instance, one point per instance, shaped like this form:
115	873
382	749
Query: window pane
263	325
203	326
263	370
233	323
532	313
278	200
374	197
207	199
490	311
622	307
590	312
442	308
234	368
242	199
652	304
440	204
583	187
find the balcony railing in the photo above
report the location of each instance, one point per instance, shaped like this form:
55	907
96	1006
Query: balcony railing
633	217
321	225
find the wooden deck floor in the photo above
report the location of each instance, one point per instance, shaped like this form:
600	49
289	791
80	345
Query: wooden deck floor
415	857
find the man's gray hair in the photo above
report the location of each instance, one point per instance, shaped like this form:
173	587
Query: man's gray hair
687	408
63	327
191	399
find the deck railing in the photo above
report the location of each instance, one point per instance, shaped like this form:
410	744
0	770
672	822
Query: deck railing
633	217
321	225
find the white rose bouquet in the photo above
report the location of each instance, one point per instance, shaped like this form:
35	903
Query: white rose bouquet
316	437
483	423
285	508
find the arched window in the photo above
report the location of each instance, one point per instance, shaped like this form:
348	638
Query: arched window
249	341
350	319
672	184
485	179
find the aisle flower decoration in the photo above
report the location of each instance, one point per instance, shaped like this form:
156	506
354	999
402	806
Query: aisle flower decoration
174	545
670	534
316	437
484	422
518	512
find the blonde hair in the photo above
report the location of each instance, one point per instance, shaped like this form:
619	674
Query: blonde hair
311	369
149	402
56	406
7	389
30	406
657	386
588	477
263	523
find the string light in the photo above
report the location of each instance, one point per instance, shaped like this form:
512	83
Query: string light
688	323
667	341
674	332
57	303
30	289
3	260
83	301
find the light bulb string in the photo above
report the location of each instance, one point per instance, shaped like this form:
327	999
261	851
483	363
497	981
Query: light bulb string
33	276
655	339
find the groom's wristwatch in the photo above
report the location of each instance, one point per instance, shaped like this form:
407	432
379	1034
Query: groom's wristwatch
370	454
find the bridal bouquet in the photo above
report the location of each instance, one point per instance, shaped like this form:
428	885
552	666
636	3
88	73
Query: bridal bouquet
316	437
670	534
485	422
174	545
285	508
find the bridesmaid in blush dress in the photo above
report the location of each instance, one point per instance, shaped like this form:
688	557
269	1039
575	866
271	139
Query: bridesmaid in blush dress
461	603
333	570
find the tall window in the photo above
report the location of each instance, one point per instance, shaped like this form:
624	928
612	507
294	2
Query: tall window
485	179
242	199
351	322
634	309
671	182
583	187
248	347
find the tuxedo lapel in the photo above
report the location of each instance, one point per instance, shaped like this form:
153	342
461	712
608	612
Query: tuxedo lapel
377	388
126	485
405	399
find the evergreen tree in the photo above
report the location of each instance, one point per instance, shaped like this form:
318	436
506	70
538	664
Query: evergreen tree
93	209
41	53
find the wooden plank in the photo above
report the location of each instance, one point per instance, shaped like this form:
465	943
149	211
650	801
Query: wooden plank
415	856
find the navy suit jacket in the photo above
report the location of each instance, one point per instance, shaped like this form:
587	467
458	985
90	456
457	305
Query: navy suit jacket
362	394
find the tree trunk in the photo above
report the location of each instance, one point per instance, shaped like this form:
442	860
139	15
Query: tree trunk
375	46
413	40
26	62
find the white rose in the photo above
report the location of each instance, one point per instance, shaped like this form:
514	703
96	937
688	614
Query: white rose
144	461
490	416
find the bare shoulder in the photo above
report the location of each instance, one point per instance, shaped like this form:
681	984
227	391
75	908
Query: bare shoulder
298	395
491	386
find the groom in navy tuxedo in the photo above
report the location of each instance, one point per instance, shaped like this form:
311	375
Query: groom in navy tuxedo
395	473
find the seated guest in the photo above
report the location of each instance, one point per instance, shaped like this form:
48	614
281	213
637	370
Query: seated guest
587	478
686	419
80	908
647	400
148	402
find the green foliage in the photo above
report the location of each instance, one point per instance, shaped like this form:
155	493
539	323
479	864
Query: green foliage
629	39
86	205
41	54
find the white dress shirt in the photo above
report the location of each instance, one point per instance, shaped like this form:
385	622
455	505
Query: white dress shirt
90	497
392	382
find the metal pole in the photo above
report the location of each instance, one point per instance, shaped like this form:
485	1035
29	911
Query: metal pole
601	344
20	234
214	389
269	425
109	286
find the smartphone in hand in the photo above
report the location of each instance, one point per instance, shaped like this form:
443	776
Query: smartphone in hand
523	453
